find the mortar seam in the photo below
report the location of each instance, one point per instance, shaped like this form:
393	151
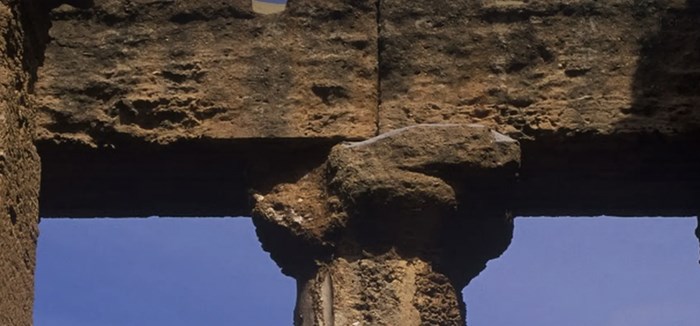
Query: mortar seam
379	77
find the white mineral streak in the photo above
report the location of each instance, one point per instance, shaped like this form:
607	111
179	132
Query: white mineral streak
501	138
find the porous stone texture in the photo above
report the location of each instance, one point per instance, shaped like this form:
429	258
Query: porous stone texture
19	172
181	107
389	230
534	69
584	85
164	70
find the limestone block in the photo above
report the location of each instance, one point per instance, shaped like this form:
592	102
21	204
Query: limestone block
539	68
168	70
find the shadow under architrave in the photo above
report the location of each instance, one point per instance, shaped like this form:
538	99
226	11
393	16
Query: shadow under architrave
666	85
196	178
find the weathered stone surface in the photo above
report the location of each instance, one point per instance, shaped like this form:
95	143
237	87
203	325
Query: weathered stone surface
19	172
584	85
530	69
404	165
164	70
180	107
390	229
169	70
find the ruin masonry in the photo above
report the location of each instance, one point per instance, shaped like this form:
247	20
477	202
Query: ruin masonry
382	148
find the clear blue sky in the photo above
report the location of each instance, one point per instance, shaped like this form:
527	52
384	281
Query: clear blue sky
153	272
592	272
574	272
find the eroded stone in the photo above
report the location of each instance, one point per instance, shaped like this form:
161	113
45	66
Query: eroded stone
387	223
19	169
533	69
162	71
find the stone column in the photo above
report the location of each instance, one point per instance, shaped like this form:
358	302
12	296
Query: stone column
389	230
697	229
19	167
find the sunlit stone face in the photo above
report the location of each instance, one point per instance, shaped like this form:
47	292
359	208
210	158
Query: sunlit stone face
266	7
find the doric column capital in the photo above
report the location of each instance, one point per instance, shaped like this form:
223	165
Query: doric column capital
416	203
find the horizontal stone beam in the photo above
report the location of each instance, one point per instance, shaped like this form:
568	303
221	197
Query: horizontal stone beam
589	176
163	71
596	92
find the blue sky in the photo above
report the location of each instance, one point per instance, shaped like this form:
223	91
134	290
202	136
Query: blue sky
583	271
132	272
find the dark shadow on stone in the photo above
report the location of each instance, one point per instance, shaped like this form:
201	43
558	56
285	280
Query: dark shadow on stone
648	165
36	23
632	174
666	85
194	178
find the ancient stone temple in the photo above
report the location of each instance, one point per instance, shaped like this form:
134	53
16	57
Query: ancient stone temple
381	147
